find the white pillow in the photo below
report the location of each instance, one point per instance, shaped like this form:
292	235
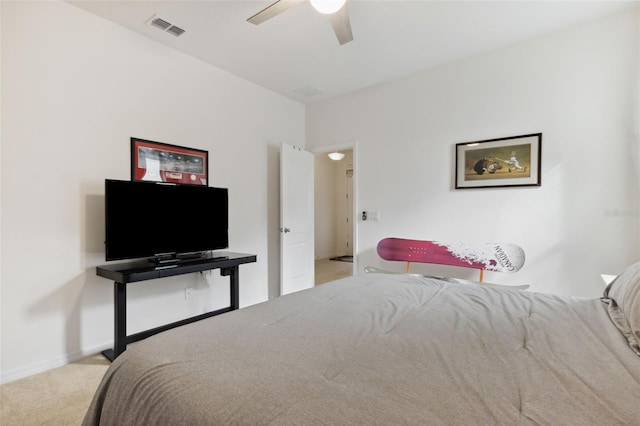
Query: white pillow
623	296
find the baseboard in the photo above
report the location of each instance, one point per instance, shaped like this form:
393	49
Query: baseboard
40	367
329	256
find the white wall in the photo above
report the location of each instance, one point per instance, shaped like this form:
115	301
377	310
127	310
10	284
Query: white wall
75	88
325	206
1	203
579	87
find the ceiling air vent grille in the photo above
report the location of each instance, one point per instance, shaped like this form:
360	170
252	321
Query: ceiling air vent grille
160	23
166	26
176	31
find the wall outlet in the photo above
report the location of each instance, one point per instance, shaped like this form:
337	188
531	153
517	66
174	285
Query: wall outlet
188	292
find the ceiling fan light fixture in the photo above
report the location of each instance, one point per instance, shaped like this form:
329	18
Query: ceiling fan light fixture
327	7
336	156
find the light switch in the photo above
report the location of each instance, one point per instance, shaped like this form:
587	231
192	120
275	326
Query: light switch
370	215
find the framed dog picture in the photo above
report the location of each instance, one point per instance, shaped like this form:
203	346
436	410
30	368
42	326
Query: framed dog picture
511	161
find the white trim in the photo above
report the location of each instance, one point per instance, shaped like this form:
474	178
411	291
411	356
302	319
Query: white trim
336	147
46	365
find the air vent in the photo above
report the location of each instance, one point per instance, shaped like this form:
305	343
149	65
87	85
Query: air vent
160	23
166	26
308	91
176	31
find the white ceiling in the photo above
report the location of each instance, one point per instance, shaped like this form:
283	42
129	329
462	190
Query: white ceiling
296	53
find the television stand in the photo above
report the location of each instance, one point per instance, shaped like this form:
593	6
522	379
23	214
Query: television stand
129	272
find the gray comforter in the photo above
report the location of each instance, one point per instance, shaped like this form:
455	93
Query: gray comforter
382	349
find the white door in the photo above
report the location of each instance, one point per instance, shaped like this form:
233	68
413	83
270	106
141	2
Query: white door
296	219
349	213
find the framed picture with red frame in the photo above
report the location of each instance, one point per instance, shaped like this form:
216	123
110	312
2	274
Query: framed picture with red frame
161	162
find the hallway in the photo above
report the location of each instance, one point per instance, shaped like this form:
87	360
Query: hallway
329	270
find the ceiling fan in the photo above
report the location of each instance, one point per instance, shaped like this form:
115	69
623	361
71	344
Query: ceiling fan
336	9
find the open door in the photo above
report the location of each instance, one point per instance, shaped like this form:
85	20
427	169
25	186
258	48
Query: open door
349	211
296	219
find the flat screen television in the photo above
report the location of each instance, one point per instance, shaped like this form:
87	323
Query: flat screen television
164	221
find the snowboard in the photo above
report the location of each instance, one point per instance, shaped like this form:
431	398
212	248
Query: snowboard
496	257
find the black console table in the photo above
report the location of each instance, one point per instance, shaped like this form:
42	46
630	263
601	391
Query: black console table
129	272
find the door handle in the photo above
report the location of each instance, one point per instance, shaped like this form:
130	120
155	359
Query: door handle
285	230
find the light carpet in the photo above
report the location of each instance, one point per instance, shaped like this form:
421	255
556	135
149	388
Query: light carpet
57	397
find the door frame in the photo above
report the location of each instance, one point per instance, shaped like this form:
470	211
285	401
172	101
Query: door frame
353	146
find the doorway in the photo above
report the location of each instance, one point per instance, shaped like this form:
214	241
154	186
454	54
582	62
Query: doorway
334	194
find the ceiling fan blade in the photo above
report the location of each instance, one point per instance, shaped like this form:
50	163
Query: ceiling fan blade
272	10
341	25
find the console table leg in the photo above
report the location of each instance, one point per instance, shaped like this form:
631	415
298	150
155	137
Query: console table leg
235	291
120	319
234	281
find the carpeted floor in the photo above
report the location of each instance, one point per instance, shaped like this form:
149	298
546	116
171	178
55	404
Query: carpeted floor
57	397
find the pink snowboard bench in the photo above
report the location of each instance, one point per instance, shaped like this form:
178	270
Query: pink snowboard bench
496	257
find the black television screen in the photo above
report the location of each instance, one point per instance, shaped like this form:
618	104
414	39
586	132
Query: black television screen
149	219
